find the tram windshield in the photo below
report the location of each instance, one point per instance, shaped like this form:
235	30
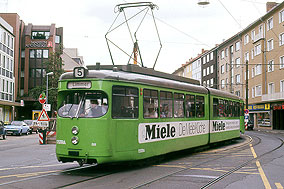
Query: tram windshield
84	105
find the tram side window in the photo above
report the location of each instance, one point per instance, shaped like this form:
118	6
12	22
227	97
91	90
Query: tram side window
190	105
237	109
200	106
166	104
215	107
178	105
230	109
125	102
222	108
150	103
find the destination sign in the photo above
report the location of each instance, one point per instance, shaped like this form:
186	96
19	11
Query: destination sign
79	85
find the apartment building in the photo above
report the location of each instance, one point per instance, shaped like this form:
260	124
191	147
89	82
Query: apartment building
263	48
230	73
192	68
7	78
209	68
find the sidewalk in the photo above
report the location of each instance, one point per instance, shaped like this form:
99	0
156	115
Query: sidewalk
269	131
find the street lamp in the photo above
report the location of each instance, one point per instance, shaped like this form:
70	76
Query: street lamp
50	73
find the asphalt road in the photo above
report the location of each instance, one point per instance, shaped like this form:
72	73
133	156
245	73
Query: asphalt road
254	161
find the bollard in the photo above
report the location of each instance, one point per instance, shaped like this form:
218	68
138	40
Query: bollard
42	136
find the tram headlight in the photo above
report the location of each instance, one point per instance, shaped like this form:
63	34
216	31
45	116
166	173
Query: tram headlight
75	130
75	140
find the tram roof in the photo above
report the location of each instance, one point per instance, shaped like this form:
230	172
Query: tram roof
147	76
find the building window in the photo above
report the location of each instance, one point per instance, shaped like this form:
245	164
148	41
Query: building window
226	52
258	69
270	24
211	56
238	62
212	82
252	93
237	46
281	62
32	53
222	69
222	54
281	16
270	66
204	72
271	89
204	59
238	79
257	49
246	56
208	58
45	53
252	72
238	93
208	70
23	54
252	35
222	83
246	39
282	86
258	90
57	39
270	45
40	34
211	69
281	39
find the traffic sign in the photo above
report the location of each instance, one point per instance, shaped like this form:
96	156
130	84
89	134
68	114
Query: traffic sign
42	98
43	116
246	111
47	107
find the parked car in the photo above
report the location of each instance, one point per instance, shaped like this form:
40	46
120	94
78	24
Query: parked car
33	125
2	130
17	128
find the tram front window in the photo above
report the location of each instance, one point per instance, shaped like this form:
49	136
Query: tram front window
86	105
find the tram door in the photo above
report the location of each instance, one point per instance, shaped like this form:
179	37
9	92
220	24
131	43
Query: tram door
125	109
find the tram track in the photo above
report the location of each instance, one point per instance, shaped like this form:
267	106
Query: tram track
219	178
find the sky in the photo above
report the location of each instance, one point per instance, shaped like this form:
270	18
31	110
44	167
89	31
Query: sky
184	27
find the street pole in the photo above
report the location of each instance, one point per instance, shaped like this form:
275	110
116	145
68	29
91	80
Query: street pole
246	84
50	73
46	88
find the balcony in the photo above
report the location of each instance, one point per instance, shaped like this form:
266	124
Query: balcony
258	37
273	97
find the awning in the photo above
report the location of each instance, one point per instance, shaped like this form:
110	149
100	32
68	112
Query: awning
6	103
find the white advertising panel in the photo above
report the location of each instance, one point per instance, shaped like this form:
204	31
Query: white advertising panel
152	132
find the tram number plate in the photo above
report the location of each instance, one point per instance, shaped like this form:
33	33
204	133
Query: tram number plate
79	85
79	72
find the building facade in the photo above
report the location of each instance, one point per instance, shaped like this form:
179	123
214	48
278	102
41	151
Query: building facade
209	68
7	77
230	67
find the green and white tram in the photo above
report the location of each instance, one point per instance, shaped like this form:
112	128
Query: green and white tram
125	113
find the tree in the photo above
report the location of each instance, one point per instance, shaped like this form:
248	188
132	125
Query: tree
53	64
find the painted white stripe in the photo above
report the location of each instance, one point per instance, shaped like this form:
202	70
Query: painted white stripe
199	176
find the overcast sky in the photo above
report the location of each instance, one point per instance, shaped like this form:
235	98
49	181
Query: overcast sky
184	26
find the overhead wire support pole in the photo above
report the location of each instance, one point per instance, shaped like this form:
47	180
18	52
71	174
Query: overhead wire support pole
246	84
158	38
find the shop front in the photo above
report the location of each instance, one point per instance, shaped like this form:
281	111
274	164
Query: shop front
278	115
261	115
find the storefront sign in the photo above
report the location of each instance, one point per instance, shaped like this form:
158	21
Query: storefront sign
257	107
278	106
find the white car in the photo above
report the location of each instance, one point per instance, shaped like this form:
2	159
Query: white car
17	128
